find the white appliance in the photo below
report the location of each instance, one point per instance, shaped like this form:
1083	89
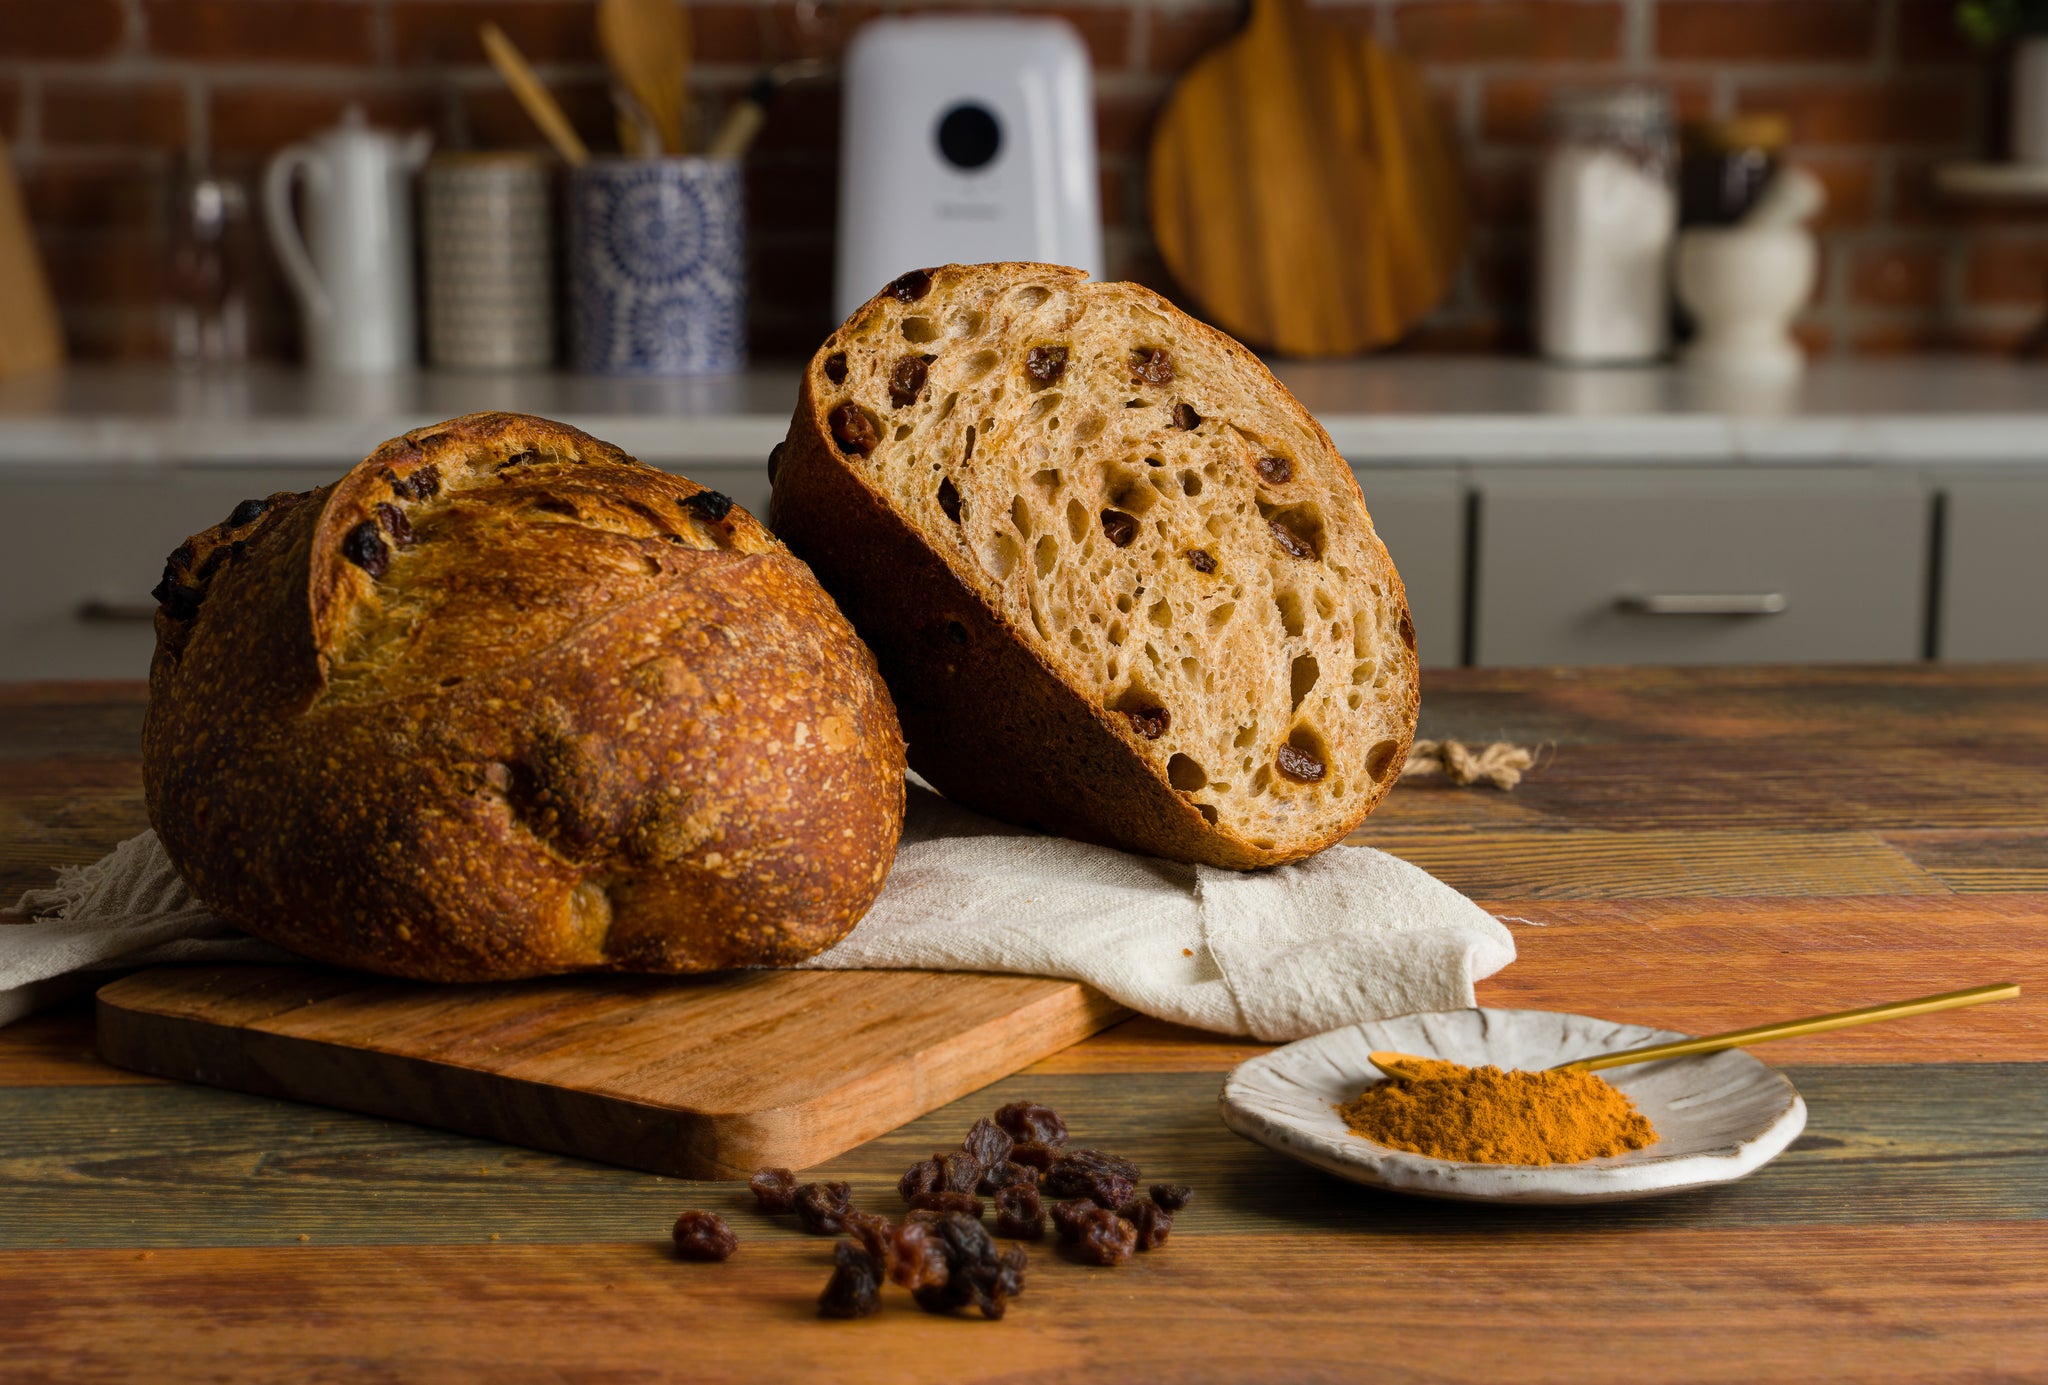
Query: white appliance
966	138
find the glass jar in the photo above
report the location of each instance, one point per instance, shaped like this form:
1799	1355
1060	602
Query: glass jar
1607	210
207	307
1725	165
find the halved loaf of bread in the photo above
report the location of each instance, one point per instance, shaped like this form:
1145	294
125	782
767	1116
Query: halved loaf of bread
1121	585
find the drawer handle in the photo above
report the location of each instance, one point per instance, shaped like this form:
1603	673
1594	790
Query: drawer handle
1703	604
99	610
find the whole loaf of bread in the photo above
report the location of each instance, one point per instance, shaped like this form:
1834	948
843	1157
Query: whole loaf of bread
1121	583
504	702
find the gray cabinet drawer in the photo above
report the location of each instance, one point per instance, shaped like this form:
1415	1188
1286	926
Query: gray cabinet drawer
1420	516
79	552
1586	566
1994	586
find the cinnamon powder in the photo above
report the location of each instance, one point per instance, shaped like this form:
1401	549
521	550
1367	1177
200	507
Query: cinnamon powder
1488	1115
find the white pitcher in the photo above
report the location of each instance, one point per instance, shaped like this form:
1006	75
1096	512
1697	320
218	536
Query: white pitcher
353	268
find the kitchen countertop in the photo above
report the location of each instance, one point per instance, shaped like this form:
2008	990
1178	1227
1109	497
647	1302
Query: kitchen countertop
1394	410
1699	849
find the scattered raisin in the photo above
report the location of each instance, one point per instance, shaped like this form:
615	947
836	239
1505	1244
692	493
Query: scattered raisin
835	367
910	286
1066	1217
247	513
949	499
822	1207
1152	365
775	461
855	1288
774	1189
1033	1154
1007	1174
1101	1237
925	1176
1200	560
1045	364
1120	527
713	505
959	1171
988	1142
1102	1178
947	1201
527	458
906	381
1185	418
1030	1123
366	550
1020	1212
1151	722
1172	1196
181	558
853	430
917	1255
1276	471
956	633
704	1236
395	523
975	1273
1152	1223
1293	543
1299	765
876	1235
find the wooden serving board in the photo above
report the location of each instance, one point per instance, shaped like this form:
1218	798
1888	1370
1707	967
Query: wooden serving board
697	1077
1303	190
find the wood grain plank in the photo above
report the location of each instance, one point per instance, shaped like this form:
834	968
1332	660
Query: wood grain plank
1700	966
1837	705
161	1166
1923	1303
57	1049
1591	863
1985	861
1800	786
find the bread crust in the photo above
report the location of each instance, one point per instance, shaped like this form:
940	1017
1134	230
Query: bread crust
503	702
991	720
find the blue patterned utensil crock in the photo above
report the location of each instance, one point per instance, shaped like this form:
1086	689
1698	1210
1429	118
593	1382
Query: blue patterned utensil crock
657	267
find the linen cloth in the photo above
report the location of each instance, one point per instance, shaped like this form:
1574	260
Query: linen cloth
1351	934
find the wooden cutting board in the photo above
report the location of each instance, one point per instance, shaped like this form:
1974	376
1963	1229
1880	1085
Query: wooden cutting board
1303	190
708	1077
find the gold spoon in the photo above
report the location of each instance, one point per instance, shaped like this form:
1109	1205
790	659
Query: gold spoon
1404	1064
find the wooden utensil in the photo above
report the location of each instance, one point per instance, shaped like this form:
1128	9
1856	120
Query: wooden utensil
538	103
1403	1064
30	335
1303	190
694	1076
648	46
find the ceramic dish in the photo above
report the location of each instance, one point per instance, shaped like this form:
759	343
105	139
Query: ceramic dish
1718	1115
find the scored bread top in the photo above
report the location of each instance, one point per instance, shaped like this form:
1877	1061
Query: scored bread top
1137	502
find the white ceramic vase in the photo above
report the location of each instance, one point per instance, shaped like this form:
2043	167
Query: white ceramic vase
2030	101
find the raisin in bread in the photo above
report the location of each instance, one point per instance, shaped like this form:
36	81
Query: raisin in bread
504	702
1121	584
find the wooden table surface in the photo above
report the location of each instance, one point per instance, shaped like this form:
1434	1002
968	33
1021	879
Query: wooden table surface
1698	849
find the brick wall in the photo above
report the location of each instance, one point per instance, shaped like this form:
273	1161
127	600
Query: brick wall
101	98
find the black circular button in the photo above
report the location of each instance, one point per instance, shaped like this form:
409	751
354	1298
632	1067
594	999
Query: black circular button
969	136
